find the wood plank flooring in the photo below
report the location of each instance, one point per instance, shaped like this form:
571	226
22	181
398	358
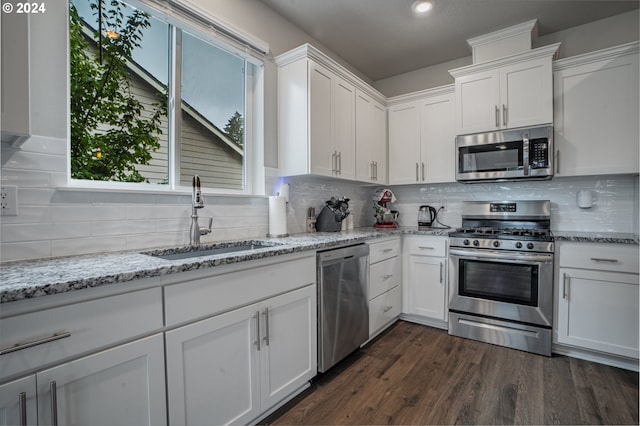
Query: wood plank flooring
419	375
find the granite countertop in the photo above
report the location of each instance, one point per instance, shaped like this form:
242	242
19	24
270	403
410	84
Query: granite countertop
30	279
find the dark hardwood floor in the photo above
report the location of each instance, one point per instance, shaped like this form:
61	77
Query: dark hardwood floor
414	374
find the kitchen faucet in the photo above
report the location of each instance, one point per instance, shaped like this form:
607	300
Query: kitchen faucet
197	203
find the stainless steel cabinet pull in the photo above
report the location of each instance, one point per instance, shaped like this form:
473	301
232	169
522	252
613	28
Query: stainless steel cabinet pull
371	172
387	308
375	170
565	278
441	272
257	317
339	163
422	171
426	248
333	162
497	116
23	408
386	277
53	394
266	326
21	346
417	176
504	115
387	250
602	259
558	161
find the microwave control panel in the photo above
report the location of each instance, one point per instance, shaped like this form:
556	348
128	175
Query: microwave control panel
539	153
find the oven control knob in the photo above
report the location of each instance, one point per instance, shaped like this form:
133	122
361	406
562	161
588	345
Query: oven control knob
496	243
465	242
519	245
530	246
476	243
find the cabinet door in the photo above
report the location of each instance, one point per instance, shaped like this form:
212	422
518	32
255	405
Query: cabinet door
120	386
404	143
213	370
427	287
598	310
289	344
438	139
526	94
477	102
18	402
371	140
379	143
596	117
344	127
321	80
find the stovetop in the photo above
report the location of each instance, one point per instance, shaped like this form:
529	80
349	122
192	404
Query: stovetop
504	233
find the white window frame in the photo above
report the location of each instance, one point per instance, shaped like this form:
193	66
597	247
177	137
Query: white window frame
198	22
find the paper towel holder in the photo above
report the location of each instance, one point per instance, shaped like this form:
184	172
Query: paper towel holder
584	199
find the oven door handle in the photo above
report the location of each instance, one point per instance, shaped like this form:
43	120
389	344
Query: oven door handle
502	256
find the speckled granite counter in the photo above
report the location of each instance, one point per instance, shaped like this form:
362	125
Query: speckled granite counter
596	237
30	279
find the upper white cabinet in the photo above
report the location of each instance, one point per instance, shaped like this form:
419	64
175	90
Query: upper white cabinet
371	139
510	92
422	137
15	101
596	112
317	118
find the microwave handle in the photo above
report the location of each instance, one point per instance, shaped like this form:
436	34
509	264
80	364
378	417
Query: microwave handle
525	153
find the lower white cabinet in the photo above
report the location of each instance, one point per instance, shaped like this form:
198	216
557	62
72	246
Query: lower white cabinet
232	367
425	292
597	297
385	279
18	402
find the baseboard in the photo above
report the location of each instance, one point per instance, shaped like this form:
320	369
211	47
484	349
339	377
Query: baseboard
599	357
425	321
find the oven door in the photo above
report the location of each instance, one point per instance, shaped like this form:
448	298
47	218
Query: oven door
516	286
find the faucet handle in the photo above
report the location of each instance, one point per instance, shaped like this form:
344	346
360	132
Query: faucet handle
205	231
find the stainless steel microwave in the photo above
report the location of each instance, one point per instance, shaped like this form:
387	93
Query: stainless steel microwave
514	154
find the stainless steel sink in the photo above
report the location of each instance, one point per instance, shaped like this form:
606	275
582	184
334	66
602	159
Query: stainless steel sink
208	250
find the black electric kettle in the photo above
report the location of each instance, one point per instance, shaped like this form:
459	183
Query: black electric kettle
426	215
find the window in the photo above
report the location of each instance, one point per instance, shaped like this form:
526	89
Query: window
126	68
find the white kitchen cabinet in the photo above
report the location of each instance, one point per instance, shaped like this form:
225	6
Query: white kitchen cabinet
120	386
596	112
422	138
232	367
385	279
18	403
15	101
371	139
506	93
597	297
425	293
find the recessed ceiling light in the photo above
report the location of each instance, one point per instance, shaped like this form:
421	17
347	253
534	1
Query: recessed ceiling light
421	7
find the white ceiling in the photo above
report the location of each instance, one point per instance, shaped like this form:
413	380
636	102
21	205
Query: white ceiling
381	38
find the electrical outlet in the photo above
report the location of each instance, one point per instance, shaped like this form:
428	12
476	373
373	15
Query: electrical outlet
9	200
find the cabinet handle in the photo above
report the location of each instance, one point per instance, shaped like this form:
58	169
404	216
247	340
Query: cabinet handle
565	278
602	259
386	277
440	272
339	163
266	326
375	170
417	176
371	174
23	408
504	115
387	308
387	250
497	116
257	317
423	172
21	346
426	248
558	161
333	162
53	394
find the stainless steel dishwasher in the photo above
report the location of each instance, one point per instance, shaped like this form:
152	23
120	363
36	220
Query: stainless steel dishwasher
343	308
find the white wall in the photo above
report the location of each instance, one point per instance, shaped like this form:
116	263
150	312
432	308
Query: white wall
593	36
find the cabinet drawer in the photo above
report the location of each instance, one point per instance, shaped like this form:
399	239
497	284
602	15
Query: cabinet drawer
204	297
603	257
384	309
77	328
428	246
384	276
383	250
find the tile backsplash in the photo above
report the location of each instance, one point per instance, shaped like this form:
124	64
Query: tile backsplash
56	221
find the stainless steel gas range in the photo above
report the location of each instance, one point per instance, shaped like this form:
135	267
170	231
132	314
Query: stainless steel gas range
501	274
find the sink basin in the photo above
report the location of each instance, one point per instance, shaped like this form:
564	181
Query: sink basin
209	250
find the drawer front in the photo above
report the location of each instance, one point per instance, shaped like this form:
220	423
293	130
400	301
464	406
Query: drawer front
428	246
603	257
379	251
74	329
204	297
383	276
384	309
